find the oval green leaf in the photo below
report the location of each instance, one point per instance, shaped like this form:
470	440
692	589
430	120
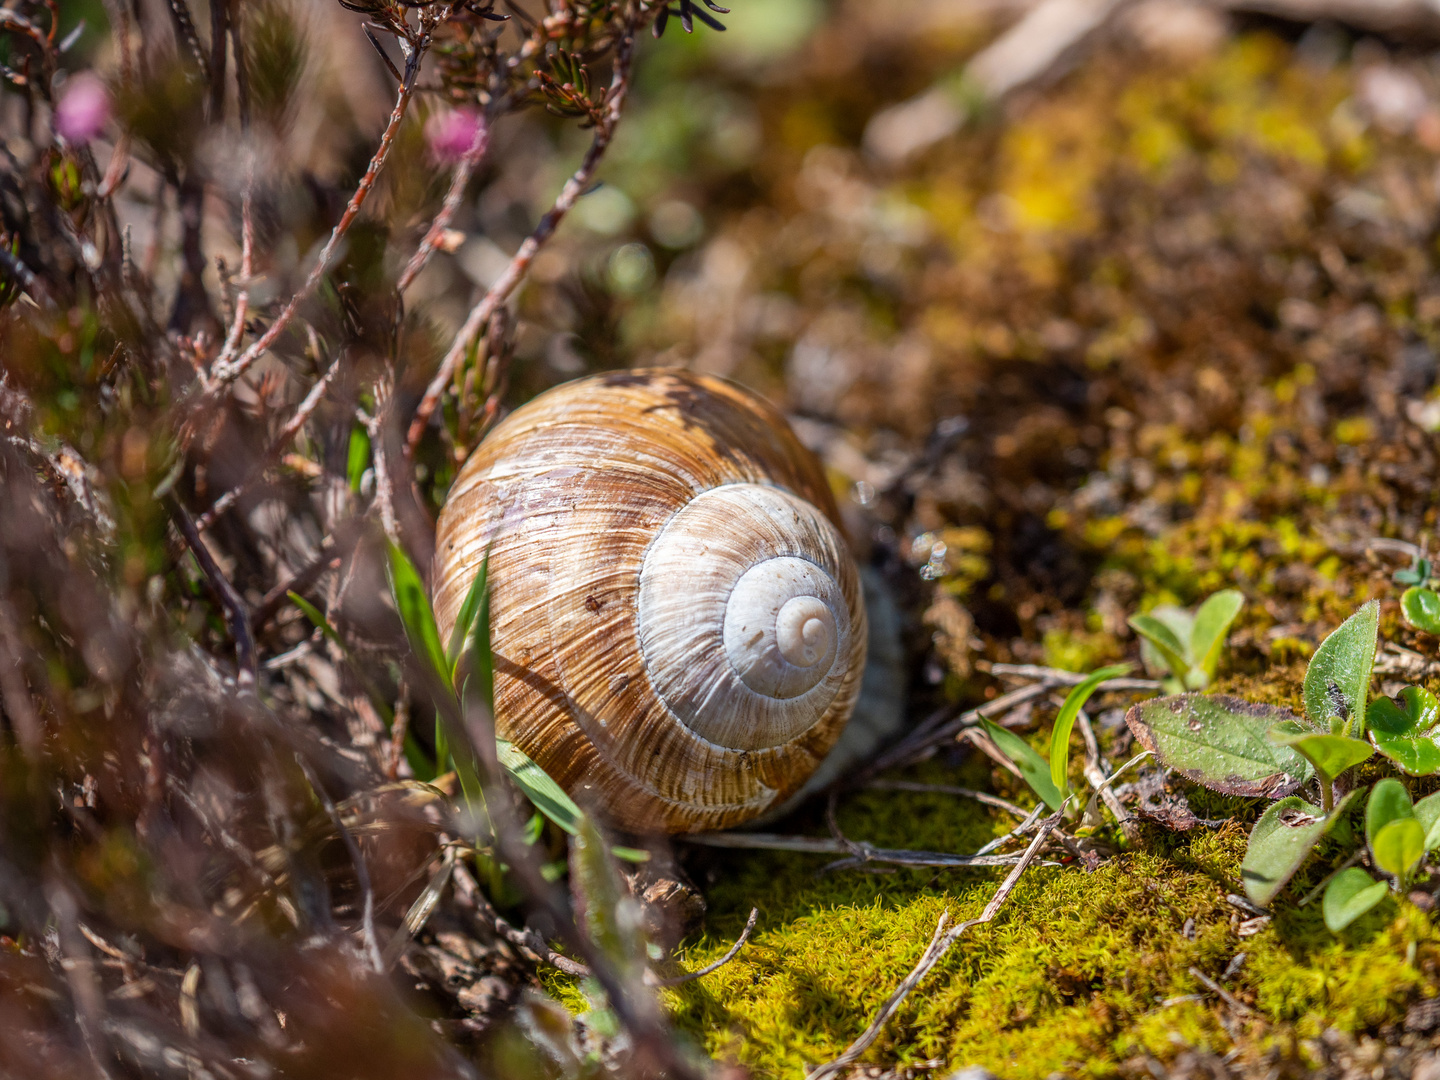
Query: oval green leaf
1220	742
1350	894
1416	755
1398	846
1421	608
1331	755
1337	682
1389	801
1281	842
1164	641
1427	812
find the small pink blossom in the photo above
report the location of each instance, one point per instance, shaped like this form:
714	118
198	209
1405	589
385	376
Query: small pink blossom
451	135
83	109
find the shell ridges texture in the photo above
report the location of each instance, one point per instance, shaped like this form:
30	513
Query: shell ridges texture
678	627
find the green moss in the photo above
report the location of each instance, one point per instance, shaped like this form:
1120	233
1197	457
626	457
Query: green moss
1079	972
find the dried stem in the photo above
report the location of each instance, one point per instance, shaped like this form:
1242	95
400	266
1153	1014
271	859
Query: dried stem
458	183
507	283
357	860
730	954
226	370
237	615
939	945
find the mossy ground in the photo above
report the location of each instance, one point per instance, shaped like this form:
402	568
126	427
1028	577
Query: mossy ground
1081	972
1187	358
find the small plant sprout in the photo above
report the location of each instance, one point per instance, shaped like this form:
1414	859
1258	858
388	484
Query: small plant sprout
1421	607
1419	603
1407	730
1399	834
1050	779
1187	646
1245	748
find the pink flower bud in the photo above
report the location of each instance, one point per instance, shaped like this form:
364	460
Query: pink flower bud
83	109
451	135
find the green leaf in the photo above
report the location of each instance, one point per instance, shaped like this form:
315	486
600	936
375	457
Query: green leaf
1421	608
1389	801
1220	742
465	621
1427	812
1415	755
316	616
547	796
1337	682
1034	768
1280	843
413	604
1065	722
357	460
1350	894
1164	641
1398	847
1212	623
1331	755
1416	711
608	910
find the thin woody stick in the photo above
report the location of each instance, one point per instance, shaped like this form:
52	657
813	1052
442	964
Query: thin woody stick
934	952
226	370
510	280
458	183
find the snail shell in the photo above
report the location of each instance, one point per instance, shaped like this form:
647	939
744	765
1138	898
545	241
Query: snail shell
678	628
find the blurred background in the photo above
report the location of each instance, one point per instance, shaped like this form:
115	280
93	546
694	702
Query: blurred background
1087	306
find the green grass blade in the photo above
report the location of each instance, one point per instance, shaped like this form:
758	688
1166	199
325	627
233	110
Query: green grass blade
357	459
1065	721
547	796
412	603
1034	768
465	620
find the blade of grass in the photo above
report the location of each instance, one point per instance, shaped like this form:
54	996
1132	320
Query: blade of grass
1065	722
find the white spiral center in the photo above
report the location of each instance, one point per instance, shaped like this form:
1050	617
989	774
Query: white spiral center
779	626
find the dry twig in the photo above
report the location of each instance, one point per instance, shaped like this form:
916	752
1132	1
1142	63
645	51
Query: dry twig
935	952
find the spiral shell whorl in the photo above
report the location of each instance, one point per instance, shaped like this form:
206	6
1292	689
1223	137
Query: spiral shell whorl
713	589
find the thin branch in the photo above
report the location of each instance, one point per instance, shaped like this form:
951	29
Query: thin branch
818	845
1220	992
273	452
1060	677
939	945
717	965
510	280
227	370
458	183
237	615
982	797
